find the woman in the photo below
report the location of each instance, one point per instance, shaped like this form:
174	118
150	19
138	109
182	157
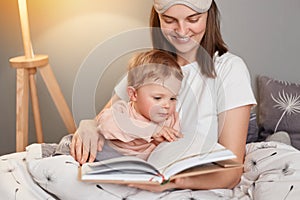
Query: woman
216	95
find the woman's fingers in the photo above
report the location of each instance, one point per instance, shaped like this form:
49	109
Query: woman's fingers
72	147
85	153
93	150
75	147
84	143
100	143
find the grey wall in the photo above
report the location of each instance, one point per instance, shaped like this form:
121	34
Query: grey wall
264	33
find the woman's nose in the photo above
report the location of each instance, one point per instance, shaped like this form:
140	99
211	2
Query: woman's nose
181	29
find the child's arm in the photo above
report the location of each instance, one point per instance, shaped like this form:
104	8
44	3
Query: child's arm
117	123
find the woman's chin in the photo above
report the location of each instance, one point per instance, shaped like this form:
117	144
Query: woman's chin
185	48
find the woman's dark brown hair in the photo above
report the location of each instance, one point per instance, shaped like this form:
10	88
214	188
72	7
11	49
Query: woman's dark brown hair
211	42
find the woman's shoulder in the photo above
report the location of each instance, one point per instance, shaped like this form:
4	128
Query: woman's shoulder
226	58
229	62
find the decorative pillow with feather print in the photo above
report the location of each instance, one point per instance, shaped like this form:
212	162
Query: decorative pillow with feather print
279	108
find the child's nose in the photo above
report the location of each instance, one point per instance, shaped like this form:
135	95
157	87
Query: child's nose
166	104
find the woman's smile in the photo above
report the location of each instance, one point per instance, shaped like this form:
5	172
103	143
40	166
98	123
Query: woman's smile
181	39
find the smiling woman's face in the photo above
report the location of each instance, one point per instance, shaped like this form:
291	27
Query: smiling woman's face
183	28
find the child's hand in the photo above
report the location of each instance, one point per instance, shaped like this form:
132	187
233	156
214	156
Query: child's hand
167	134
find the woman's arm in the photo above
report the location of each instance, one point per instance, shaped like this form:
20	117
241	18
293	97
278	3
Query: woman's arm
233	126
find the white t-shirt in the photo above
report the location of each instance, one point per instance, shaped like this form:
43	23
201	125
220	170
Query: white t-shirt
201	99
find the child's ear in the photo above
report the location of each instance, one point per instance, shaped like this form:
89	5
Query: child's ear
132	94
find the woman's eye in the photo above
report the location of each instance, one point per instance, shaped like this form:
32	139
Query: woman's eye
168	20
193	20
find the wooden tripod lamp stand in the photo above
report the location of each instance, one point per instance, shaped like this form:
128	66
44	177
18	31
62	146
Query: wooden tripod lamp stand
26	67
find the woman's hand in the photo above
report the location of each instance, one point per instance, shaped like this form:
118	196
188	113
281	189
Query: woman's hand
86	142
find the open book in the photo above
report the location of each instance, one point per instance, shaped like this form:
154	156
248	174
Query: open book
160	167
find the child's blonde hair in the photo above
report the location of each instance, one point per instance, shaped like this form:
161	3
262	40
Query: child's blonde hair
152	66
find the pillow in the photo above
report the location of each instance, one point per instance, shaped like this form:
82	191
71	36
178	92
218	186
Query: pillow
252	135
279	108
58	176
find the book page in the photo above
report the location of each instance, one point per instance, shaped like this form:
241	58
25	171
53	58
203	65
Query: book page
121	178
119	165
207	168
125	169
197	160
167	153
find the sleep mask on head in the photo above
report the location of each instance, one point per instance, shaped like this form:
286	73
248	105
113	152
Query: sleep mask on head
199	6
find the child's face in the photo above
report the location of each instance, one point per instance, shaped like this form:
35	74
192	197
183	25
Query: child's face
155	102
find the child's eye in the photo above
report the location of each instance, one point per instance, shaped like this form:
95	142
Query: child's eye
157	98
173	99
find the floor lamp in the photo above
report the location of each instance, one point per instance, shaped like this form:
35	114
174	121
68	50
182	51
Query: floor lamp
26	68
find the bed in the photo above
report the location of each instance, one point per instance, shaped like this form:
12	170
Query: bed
271	168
